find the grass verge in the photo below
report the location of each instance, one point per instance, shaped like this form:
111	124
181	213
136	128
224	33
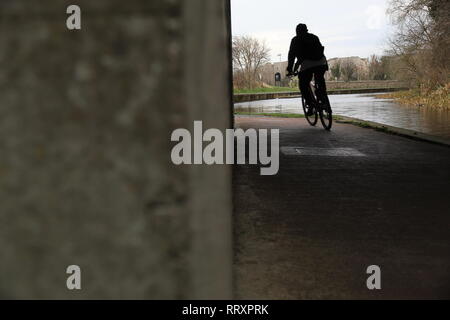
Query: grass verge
338	119
276	115
363	124
265	90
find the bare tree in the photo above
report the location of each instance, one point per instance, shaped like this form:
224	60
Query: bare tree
249	54
380	67
422	39
336	70
348	70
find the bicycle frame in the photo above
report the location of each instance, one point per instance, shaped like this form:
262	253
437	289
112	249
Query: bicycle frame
321	108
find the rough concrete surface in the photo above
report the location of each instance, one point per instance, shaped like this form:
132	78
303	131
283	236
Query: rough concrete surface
311	231
85	171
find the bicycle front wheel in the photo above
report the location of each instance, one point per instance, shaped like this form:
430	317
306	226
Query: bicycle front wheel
326	116
312	118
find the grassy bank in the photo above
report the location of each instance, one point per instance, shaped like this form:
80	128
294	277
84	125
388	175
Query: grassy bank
266	114
265	90
338	119
438	98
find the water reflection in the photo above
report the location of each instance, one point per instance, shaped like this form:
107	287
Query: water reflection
365	107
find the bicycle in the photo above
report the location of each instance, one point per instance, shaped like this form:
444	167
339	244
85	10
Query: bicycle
321	108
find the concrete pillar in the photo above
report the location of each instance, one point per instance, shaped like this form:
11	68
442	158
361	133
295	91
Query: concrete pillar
85	172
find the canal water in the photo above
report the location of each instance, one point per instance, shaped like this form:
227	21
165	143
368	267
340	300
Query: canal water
365	107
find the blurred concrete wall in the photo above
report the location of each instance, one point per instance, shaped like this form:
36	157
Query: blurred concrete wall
85	170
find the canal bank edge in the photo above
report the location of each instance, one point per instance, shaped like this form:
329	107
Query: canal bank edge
393	130
368	124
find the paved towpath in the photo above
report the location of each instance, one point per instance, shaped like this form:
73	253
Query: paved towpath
342	201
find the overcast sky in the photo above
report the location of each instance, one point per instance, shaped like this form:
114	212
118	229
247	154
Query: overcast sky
345	27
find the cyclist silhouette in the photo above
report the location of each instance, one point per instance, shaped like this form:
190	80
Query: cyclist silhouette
309	52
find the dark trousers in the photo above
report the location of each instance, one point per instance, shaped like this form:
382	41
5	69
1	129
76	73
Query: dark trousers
305	78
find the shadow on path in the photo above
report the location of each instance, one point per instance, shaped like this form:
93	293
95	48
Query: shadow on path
311	231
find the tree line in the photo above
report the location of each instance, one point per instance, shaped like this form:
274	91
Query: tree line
417	52
421	43
250	55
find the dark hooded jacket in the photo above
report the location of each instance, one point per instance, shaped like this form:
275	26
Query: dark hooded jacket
304	46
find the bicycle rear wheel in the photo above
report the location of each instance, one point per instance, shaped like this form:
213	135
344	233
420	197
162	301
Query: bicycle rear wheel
312	119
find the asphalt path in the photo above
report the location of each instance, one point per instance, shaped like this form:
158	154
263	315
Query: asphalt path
342	201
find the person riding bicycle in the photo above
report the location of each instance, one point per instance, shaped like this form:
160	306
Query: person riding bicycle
309	52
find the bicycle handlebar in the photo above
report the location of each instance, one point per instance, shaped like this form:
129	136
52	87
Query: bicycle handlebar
294	74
